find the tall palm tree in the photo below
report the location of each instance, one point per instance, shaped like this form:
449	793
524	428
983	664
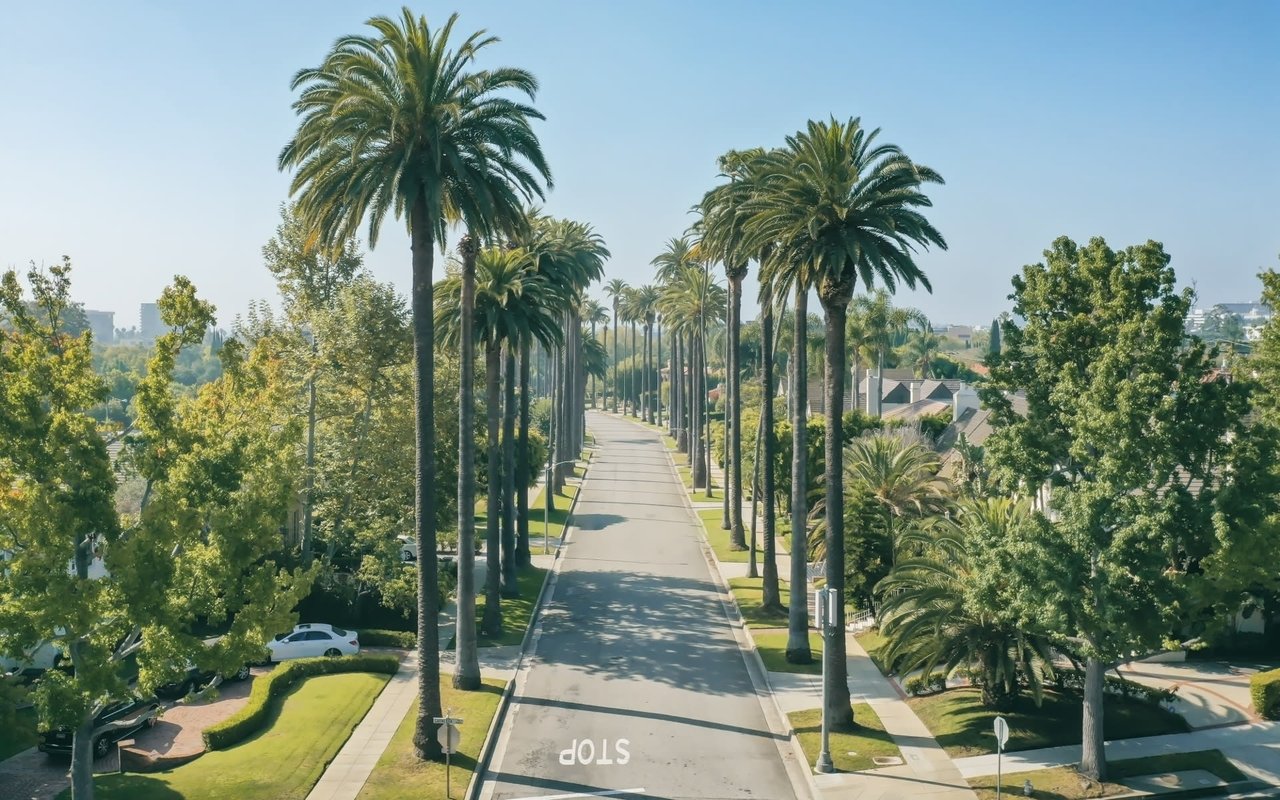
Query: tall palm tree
678	255
400	121
467	674
646	308
940	609
615	289
835	200
593	314
885	326
691	300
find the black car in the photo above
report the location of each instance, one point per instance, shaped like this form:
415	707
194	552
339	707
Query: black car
115	722
196	679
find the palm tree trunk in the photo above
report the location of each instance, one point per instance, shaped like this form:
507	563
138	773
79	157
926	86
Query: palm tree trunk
726	519
524	556
657	402
679	390
510	587
646	413
467	675
593	377
425	742
705	377
634	394
753	571
491	624
737	537
553	447
615	356
839	711
798	651
770	601
698	463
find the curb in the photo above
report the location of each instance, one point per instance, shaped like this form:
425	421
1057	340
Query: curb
809	788
499	716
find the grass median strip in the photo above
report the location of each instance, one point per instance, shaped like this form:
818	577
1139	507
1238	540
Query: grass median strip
852	749
282	762
400	775
749	592
962	725
772	646
1064	783
516	611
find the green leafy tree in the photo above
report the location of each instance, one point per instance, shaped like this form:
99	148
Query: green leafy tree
400	121
1140	453
199	554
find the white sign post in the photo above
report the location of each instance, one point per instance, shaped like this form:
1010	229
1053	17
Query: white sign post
1002	738
449	738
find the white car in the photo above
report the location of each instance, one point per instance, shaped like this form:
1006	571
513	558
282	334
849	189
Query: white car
311	639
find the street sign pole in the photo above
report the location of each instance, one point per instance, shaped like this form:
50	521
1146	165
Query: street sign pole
1001	726
449	739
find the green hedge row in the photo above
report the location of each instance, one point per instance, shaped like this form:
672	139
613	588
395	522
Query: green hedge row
379	638
1264	687
269	688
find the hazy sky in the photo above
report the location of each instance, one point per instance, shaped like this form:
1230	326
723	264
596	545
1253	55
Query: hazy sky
141	138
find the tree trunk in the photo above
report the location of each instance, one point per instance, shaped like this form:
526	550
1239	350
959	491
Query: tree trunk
615	356
771	601
308	511
510	585
593	377
737	536
553	447
467	675
681	389
839	711
491	624
798	651
1093	757
697	404
425	742
634	394
705	376
524	556
753	571
657	395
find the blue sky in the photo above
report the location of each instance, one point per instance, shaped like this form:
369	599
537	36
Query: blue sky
141	138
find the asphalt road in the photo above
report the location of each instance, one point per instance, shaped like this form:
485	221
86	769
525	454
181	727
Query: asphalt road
635	656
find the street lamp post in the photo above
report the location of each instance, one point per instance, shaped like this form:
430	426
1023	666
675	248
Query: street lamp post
546	507
825	613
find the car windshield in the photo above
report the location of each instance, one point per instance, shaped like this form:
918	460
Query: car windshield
339	631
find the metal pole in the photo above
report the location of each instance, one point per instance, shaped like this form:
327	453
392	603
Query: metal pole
825	763
999	766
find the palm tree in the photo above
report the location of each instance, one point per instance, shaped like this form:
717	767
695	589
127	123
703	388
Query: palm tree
940	608
691	300
678	255
919	352
400	121
593	313
467	675
845	207
615	288
646	308
885	326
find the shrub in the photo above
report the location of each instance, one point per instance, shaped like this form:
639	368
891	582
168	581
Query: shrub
925	684
270	688
1073	680
1264	688
382	638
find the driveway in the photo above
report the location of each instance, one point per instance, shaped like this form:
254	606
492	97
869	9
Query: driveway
1210	693
637	686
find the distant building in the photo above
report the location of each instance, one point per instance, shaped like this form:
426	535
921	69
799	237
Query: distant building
102	324
150	325
962	332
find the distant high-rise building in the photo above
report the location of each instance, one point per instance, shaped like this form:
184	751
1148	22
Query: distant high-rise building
150	325
102	324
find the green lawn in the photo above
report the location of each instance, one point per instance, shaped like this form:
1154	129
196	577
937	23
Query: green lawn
749	592
773	652
963	727
20	734
515	611
400	775
703	497
563	501
686	477
1064	783
282	762
875	645
852	750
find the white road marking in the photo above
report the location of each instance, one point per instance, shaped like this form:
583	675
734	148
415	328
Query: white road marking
587	794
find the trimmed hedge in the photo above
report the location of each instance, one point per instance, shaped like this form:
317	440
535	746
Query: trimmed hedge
1073	679
379	638
1264	688
269	688
925	684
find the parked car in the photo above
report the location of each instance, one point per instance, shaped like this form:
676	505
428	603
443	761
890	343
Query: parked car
194	678
311	639
409	554
117	721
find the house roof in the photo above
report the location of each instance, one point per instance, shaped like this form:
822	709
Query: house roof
919	408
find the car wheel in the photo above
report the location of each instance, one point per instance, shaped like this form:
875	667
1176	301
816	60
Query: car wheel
101	746
242	674
332	652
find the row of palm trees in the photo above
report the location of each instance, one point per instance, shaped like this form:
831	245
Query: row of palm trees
828	211
402	120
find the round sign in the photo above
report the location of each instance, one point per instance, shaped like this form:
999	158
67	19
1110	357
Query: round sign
449	738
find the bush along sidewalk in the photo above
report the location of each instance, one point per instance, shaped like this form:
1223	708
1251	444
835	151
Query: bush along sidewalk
1264	688
270	688
405	640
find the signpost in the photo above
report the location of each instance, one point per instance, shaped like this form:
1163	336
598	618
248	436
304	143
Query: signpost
826	618
1002	738
449	737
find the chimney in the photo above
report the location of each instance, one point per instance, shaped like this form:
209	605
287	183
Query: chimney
874	394
915	387
964	399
